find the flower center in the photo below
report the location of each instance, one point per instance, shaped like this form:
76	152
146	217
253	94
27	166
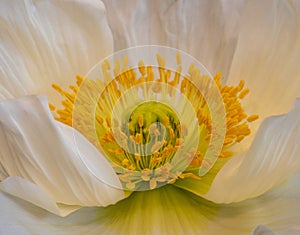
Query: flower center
155	125
152	132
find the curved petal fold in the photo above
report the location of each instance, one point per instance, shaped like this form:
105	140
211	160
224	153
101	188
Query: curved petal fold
42	42
272	158
30	192
267	55
45	153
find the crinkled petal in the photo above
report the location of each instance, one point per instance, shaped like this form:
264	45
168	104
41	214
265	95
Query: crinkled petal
46	153
267	55
271	159
167	210
42	42
208	30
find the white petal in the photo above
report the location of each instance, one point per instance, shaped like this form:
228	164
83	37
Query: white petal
42	42
289	232
167	210
164	211
30	192
208	30
45	152
262	230
4	94
267	56
20	217
278	209
271	159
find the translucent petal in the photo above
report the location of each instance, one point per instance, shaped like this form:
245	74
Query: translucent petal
267	55
271	159
250	40
46	153
42	42
167	210
208	30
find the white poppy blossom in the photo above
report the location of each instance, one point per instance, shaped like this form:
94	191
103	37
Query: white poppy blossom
47	187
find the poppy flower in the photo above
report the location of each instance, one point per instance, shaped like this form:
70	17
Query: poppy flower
56	180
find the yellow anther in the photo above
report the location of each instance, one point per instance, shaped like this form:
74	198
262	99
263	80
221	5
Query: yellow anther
191	69
125	62
142	68
141	121
108	122
107	64
241	85
125	162
179	141
117	69
161	61
172	135
156	154
178	58
79	80
57	88
155	160
108	137
52	107
240	138
166	121
175	82
131	167
252	118
74	89
228	141
99	119
225	154
218	77
244	93
172	181
138	138
150	74
116	151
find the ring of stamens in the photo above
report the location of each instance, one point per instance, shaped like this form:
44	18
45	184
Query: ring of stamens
121	141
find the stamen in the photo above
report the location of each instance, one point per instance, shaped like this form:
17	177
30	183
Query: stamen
136	141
